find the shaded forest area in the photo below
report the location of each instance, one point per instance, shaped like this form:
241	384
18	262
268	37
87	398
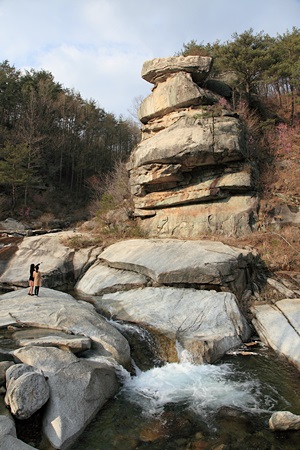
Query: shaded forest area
58	151
52	144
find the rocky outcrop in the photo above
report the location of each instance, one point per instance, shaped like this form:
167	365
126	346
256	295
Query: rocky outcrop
278	326
189	175
203	264
68	386
205	323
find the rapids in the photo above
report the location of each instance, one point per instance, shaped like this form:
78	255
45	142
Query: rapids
186	406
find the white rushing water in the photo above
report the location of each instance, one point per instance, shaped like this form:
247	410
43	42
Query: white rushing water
204	389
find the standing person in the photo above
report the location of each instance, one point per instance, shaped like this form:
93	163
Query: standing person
37	279
31	279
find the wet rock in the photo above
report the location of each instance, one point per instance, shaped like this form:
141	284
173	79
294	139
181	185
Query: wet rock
284	420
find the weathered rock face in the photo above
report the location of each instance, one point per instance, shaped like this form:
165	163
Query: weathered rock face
172	262
190	170
205	323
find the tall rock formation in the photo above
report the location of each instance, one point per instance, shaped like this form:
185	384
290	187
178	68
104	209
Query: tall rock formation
190	175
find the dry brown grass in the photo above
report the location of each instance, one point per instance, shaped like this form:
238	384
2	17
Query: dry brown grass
278	250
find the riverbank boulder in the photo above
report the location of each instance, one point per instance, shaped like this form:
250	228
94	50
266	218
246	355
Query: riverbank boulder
284	420
278	326
26	390
204	323
60	264
56	310
78	389
173	300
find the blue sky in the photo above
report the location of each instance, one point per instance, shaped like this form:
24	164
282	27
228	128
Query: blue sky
97	47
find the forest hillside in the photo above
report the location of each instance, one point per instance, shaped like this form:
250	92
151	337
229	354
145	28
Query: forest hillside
64	159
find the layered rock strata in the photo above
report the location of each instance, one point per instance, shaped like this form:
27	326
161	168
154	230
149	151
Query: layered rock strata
191	175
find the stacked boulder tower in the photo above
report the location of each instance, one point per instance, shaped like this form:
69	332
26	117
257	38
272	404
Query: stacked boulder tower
191	175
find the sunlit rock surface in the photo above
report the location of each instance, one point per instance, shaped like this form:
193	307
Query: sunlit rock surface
191	141
78	389
183	262
60	311
205	323
60	265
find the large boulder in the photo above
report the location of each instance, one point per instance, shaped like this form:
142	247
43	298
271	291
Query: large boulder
78	390
184	262
26	391
60	311
158	69
205	323
60	264
278	326
100	279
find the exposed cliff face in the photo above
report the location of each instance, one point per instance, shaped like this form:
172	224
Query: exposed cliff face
190	174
